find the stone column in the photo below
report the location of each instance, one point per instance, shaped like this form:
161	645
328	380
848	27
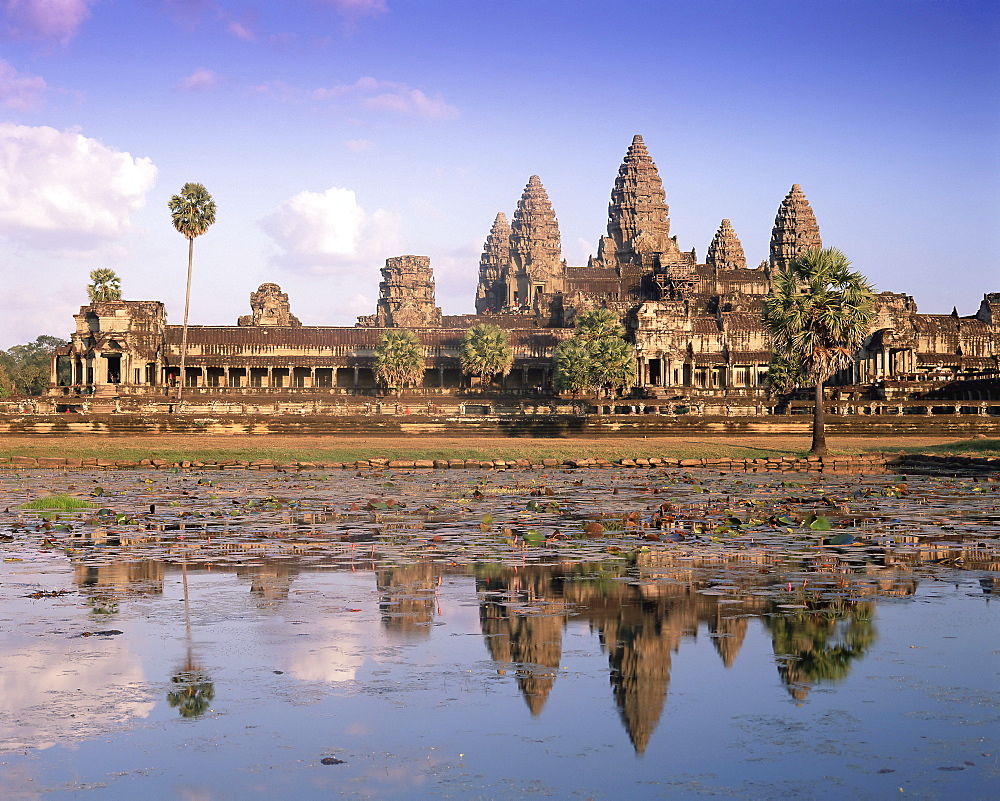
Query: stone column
356	378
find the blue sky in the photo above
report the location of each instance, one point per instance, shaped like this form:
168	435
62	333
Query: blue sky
336	133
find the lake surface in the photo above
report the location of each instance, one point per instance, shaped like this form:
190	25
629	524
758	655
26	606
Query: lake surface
460	634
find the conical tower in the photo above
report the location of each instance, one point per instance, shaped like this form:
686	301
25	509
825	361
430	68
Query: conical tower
795	230
726	252
535	251
493	264
638	215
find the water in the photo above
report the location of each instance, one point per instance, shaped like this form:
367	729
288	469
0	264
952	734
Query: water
196	665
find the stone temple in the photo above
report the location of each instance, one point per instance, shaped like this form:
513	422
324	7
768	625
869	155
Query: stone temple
695	326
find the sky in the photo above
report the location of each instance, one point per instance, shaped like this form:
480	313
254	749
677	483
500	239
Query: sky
333	134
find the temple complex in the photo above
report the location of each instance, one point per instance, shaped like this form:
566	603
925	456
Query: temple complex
695	326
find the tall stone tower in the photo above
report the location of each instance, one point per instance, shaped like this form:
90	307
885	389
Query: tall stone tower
795	230
493	265
536	264
406	294
638	215
726	251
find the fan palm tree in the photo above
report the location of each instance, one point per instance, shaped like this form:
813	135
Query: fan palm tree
782	376
191	212
817	315
399	359
486	351
599	324
597	356
612	363
571	366
104	285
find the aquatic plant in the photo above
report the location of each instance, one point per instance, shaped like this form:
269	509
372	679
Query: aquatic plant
56	503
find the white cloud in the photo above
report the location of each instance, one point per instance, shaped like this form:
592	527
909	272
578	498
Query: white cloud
359	145
56	20
241	31
398	98
103	687
60	190
199	80
582	254
18	90
331	233
358	8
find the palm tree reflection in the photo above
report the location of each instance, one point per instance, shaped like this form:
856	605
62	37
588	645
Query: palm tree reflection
820	646
194	691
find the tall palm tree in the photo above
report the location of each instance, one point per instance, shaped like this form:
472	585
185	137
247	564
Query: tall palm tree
486	351
104	285
191	212
817	315
399	359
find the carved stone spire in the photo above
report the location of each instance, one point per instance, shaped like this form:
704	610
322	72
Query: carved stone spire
269	306
726	252
795	230
638	215
406	294
493	264
535	251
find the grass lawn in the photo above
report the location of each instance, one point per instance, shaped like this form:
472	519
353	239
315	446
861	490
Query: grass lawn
348	449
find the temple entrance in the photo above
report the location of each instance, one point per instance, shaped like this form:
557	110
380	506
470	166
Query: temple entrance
114	368
655	372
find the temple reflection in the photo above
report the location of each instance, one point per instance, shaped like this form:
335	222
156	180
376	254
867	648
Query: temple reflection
407	598
522	621
817	611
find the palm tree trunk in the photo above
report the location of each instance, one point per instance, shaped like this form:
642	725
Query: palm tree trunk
184	332
819	423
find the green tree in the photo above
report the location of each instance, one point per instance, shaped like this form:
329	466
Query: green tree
783	375
596	357
599	324
612	363
104	285
818	313
486	351
24	369
399	359
571	366
191	212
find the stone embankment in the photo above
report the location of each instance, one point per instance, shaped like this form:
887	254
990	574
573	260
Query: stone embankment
873	462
